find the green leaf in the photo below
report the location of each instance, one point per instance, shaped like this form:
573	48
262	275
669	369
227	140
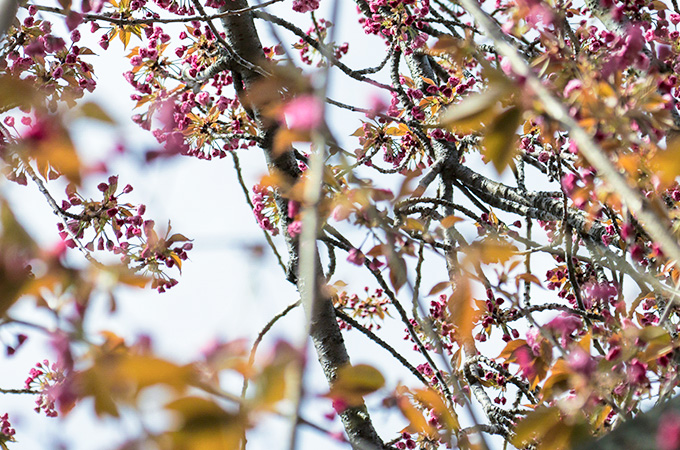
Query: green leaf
501	138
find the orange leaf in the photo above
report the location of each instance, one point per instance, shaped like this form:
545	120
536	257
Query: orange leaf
437	288
535	425
353	382
449	221
205	425
490	250
433	400
510	348
501	138
417	423
462	313
527	278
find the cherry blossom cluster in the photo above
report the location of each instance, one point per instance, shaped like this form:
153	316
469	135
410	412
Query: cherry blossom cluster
6	429
47	380
303	6
395	144
53	66
265	209
204	123
595	294
495	315
397	19
371	308
121	228
319	32
439	320
181	7
405	441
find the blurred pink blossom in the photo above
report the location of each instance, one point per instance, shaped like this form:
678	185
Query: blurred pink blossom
303	113
668	433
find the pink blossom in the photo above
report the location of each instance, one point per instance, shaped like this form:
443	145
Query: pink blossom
222	103
581	362
564	325
637	372
293	208
339	405
356	257
534	340
73	20
525	359
203	98
569	183
601	293
295	228
303	6
62	346
613	353
303	113
572	86
35	48
668	433
633	44
627	230
340	213
506	66
663	51
64	394
376	105
539	13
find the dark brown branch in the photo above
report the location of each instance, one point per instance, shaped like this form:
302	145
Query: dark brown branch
243	39
375	338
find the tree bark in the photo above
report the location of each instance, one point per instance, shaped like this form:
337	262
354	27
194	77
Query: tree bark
325	333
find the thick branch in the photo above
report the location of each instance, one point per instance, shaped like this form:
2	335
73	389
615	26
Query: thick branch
324	330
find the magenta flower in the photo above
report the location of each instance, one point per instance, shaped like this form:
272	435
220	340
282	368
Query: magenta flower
569	183
295	228
376	106
304	6
534	340
668	433
572	86
580	361
356	257
637	372
526	362
293	208
564	325
601	293
303	113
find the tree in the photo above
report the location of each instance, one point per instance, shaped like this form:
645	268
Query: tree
550	128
